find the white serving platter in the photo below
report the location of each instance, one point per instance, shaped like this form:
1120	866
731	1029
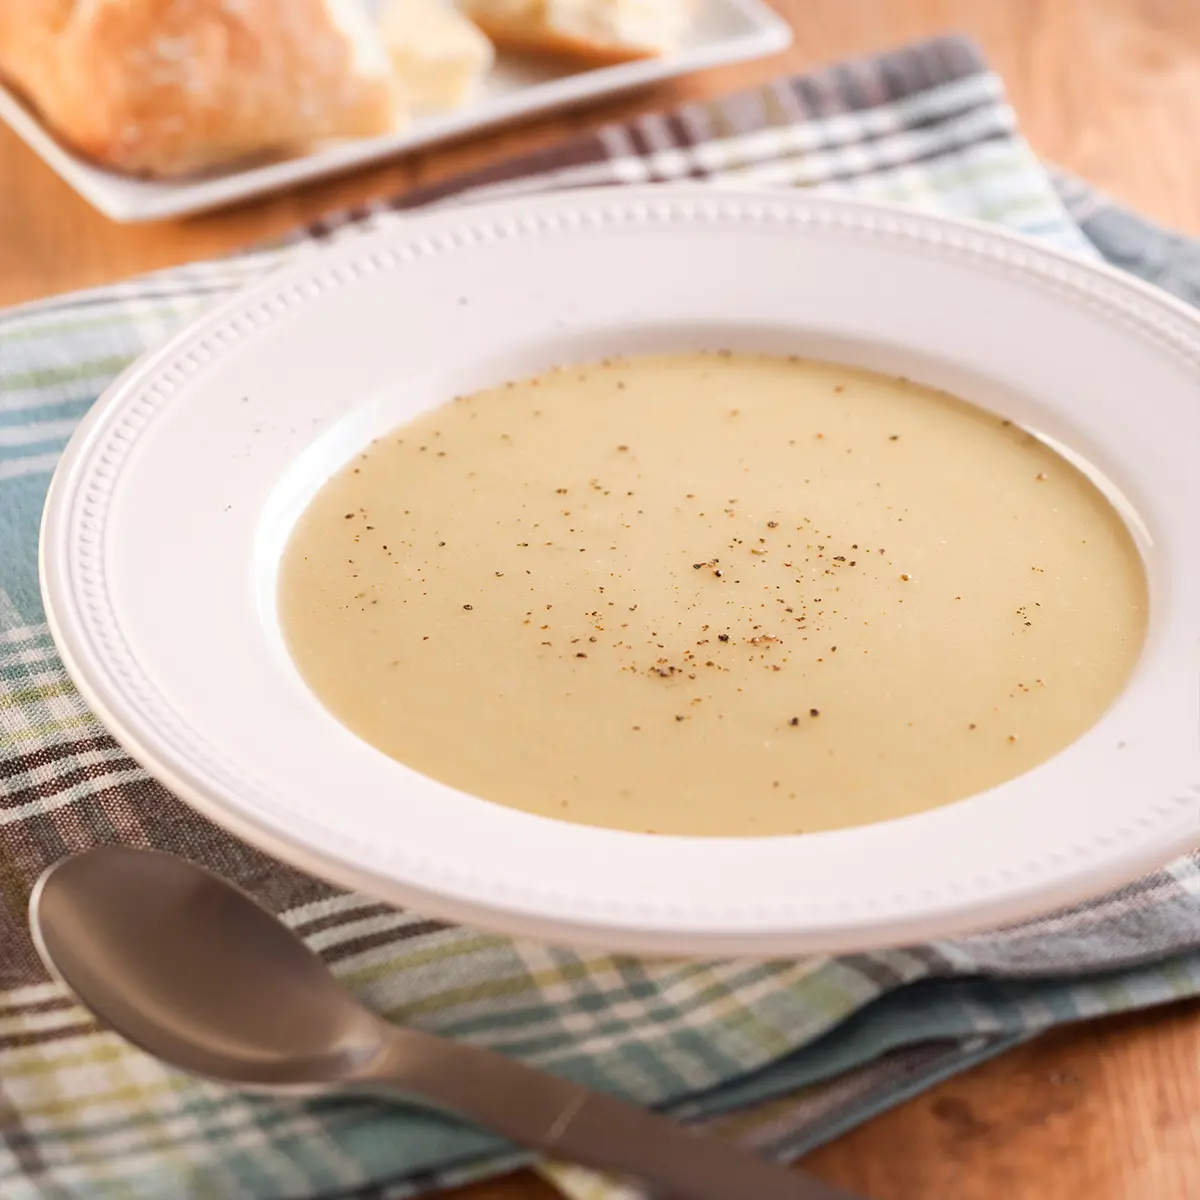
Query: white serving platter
167	516
725	31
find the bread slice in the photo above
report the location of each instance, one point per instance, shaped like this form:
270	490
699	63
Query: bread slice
439	55
172	87
597	31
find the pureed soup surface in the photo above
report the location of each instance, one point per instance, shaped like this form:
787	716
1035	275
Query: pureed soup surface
712	594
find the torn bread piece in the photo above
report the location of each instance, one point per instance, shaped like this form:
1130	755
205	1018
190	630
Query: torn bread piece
438	54
597	31
165	88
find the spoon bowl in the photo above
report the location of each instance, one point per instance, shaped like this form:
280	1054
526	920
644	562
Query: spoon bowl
145	939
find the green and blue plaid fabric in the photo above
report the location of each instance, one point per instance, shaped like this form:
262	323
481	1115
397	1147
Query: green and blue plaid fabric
785	1055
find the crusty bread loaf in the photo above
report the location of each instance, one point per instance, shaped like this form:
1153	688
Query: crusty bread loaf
597	31
172	87
439	55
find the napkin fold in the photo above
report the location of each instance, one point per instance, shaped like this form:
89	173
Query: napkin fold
784	1055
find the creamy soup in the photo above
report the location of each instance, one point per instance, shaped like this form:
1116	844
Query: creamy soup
713	595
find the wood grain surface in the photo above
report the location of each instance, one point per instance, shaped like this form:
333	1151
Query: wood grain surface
1107	88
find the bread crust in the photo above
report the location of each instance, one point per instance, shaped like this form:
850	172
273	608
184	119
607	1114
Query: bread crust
166	88
527	39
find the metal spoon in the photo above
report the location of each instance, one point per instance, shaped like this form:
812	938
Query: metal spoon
189	968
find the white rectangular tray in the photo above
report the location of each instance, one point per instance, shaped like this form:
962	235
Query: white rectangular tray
725	31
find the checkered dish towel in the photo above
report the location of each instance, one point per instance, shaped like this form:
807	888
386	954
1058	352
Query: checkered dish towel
785	1055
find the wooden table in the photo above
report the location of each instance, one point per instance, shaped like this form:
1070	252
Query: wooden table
1108	88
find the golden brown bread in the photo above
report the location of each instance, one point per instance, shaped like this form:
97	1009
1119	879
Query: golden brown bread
598	32
171	87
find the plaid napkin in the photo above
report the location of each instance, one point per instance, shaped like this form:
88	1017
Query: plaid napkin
785	1054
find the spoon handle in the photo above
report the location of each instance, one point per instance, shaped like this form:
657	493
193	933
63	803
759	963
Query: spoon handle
543	1112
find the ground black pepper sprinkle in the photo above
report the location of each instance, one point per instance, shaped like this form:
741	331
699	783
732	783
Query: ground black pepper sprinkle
468	607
